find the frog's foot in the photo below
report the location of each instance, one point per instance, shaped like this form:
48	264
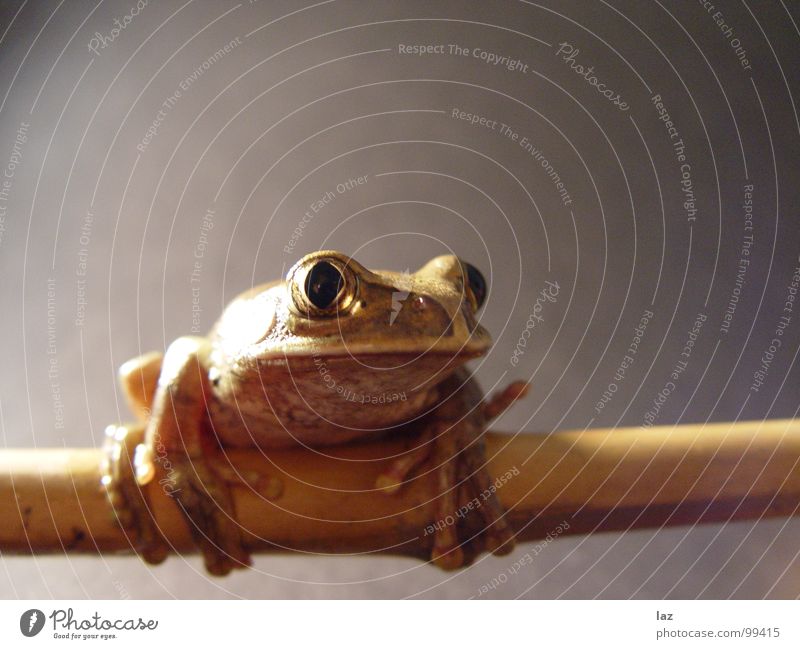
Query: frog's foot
465	490
204	497
127	498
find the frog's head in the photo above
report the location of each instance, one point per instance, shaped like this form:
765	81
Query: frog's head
332	306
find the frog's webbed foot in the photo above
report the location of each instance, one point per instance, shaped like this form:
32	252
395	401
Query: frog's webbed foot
127	498
465	489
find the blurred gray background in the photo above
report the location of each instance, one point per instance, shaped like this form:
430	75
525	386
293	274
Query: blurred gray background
122	146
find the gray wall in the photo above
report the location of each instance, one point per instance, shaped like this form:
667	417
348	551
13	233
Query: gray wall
322	94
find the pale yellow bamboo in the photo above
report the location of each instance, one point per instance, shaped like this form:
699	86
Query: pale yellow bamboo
51	500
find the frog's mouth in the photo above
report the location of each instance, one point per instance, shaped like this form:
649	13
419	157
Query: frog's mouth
365	371
395	358
448	345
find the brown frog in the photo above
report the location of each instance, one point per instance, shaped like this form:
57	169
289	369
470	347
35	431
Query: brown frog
334	353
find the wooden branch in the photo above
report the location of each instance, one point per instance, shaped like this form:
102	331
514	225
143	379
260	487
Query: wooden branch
51	500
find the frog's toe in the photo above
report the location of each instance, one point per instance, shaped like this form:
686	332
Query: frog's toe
391	480
499	539
447	557
498	403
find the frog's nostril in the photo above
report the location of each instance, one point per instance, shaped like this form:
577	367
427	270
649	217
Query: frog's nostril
323	284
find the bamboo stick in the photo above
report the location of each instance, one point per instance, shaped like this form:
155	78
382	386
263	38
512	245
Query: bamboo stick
51	500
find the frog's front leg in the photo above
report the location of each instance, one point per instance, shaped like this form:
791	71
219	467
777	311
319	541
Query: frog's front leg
179	438
139	380
453	440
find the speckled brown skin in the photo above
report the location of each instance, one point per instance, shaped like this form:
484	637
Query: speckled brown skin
277	372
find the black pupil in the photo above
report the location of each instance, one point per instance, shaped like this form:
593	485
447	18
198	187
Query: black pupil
477	284
323	284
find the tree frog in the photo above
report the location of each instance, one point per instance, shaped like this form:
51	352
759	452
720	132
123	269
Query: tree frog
332	354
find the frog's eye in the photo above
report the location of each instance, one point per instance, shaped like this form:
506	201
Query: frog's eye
322	288
476	285
323	284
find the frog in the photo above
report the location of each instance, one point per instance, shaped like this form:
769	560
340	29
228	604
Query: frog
332	354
